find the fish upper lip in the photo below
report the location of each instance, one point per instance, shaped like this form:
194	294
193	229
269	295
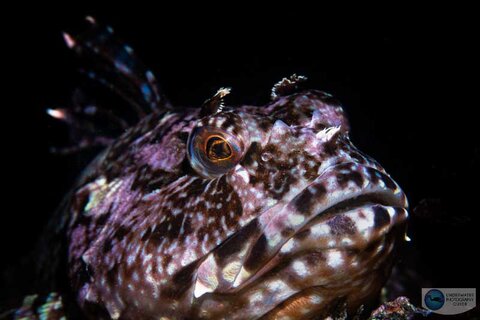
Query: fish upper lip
385	192
359	201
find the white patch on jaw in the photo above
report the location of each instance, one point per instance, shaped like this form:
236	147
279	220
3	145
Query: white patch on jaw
391	212
231	270
287	247
243	274
200	289
320	230
274	240
363	224
296	219
241	172
256	297
335	259
276	285
316	299
300	268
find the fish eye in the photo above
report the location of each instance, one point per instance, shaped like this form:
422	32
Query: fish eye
213	152
218	149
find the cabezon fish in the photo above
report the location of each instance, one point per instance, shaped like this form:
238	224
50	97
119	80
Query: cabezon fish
222	212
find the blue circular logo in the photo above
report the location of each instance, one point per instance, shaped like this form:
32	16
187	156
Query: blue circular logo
434	299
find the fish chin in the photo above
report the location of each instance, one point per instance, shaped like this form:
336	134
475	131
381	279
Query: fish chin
344	254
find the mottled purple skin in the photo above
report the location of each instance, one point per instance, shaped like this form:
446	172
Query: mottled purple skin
302	221
295	221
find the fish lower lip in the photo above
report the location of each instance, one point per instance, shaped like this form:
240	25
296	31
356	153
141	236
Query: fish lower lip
354	224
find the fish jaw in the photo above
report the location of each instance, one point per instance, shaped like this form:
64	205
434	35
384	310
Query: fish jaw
334	239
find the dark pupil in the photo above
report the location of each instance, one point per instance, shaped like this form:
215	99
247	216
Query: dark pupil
218	149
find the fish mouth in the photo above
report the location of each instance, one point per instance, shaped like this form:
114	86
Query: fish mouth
337	234
350	206
344	251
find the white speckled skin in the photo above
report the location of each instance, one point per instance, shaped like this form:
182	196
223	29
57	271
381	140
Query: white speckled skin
291	220
152	236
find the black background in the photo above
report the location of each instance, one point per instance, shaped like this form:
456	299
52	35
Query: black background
408	83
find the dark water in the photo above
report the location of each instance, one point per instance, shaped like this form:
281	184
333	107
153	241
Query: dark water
408	93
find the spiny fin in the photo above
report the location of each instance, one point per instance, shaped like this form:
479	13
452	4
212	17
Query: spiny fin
89	125
286	86
215	103
114	64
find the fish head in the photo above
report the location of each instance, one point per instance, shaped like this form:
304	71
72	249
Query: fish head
235	212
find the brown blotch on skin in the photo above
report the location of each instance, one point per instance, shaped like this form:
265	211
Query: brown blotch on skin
306	200
287	232
106	247
344	178
281	184
314	258
311	172
352	252
176	223
257	255
231	120
181	281
381	218
102	219
157	236
251	155
265	124
388	182
372	175
302	234
120	233
359	158
166	260
234	244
